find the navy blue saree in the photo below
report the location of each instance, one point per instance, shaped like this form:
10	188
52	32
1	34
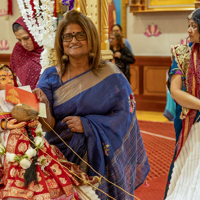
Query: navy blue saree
111	141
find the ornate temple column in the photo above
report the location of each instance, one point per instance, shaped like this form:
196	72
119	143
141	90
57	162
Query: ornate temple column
105	46
104	25
97	11
83	6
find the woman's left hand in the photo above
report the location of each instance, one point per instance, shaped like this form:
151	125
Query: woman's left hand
74	123
118	54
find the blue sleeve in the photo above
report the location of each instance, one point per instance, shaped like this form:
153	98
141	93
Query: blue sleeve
45	85
174	68
128	45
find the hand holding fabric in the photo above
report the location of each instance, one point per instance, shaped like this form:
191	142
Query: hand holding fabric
74	123
41	96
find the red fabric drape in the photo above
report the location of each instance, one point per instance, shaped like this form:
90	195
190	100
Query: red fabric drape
9	7
193	82
32	5
55	13
26	64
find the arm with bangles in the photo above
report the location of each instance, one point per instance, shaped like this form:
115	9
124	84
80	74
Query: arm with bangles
181	97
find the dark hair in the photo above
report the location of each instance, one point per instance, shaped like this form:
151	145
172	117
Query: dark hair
88	26
31	174
116	25
17	27
119	39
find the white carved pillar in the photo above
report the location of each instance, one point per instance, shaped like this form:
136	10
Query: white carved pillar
92	11
104	24
97	11
105	45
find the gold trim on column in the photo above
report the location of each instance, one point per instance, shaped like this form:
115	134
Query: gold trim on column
104	25
82	4
123	17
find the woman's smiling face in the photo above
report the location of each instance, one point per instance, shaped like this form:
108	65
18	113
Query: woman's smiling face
193	31
75	48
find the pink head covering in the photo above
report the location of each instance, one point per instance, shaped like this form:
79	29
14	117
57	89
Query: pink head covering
26	64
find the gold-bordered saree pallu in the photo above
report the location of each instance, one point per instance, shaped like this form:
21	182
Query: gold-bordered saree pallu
104	101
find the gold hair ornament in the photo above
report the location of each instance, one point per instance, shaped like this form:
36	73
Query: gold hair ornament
190	15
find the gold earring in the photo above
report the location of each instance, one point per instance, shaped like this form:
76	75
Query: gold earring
65	57
91	54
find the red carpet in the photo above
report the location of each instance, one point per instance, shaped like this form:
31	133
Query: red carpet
159	143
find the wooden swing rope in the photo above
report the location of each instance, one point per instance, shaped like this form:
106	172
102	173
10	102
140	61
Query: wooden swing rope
89	164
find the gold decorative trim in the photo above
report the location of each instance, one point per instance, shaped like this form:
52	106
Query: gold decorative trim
123	17
182	56
100	74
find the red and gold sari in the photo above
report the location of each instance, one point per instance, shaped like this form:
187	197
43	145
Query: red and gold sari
54	181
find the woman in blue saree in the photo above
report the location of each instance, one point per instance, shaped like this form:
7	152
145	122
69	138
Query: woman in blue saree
91	106
184	178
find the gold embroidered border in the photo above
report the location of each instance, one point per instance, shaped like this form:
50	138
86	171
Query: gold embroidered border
84	82
55	193
42	197
182	56
16	192
68	190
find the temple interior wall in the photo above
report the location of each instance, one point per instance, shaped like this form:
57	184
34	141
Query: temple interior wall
153	54
172	25
6	32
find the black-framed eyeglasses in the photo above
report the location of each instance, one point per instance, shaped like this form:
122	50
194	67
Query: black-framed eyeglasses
68	37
